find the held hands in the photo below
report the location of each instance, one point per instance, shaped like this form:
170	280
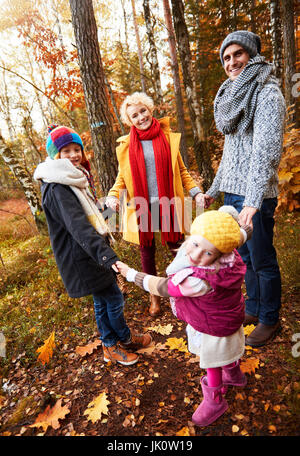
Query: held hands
113	203
246	214
122	268
203	200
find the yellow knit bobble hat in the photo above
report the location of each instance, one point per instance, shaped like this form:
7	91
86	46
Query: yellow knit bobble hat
219	228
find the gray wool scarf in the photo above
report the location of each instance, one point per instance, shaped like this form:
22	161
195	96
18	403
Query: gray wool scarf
235	102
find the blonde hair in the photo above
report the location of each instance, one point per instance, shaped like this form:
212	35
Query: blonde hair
135	99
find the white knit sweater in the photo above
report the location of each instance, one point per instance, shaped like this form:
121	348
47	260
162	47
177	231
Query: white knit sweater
250	160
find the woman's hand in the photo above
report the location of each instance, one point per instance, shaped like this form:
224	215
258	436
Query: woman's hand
113	203
122	268
203	200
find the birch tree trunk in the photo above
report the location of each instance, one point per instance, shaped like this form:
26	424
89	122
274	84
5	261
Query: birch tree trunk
176	81
155	73
200	146
290	60
276	37
26	183
138	42
93	81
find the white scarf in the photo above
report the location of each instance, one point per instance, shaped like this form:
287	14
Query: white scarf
62	171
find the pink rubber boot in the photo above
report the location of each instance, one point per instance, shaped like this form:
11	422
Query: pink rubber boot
212	406
232	375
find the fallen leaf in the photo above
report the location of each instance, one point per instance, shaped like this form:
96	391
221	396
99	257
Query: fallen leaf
164	330
184	431
249	365
276	408
248	329
87	349
50	416
272	428
148	349
194	360
177	344
97	407
46	350
235	428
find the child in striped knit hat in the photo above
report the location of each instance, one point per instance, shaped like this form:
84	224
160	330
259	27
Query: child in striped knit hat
78	234
204	285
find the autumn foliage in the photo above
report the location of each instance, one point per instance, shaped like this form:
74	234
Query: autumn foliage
289	172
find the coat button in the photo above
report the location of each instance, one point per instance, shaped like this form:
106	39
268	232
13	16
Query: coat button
104	258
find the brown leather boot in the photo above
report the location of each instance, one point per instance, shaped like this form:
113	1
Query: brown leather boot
137	341
154	308
250	320
262	334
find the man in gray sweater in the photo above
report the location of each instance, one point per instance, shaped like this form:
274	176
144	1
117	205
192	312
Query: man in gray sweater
249	110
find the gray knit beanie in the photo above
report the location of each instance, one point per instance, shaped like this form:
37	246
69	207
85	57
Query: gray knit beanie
248	40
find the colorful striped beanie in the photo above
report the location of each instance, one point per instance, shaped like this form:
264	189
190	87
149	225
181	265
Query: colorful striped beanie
60	136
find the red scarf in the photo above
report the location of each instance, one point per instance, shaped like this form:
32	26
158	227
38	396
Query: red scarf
164	175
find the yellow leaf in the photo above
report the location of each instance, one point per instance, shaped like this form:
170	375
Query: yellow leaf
267	407
249	365
97	407
248	329
272	428
285	176
164	330
177	344
50	416
87	349
46	350
184	431
235	428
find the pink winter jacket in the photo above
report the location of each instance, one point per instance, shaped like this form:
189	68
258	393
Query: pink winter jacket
221	311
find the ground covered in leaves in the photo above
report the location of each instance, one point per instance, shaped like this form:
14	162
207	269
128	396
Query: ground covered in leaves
74	392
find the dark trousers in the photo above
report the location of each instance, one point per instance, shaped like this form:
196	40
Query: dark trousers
148	256
263	281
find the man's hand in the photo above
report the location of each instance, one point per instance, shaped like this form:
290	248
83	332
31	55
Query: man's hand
246	214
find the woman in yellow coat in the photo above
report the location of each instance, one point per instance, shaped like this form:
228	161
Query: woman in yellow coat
149	188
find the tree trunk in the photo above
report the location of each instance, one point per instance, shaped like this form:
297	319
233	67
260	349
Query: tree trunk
176	81
276	37
93	81
289	60
252	16
155	73
138	42
26	183
200	145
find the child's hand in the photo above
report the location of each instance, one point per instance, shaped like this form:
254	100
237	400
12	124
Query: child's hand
122	268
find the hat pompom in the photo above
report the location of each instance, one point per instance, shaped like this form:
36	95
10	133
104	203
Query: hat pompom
51	127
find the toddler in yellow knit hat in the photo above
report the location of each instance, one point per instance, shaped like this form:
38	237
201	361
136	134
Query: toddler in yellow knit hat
204	285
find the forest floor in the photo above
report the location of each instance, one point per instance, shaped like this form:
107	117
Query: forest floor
155	397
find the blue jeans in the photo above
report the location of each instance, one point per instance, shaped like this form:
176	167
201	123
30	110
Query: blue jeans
263	281
109	315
